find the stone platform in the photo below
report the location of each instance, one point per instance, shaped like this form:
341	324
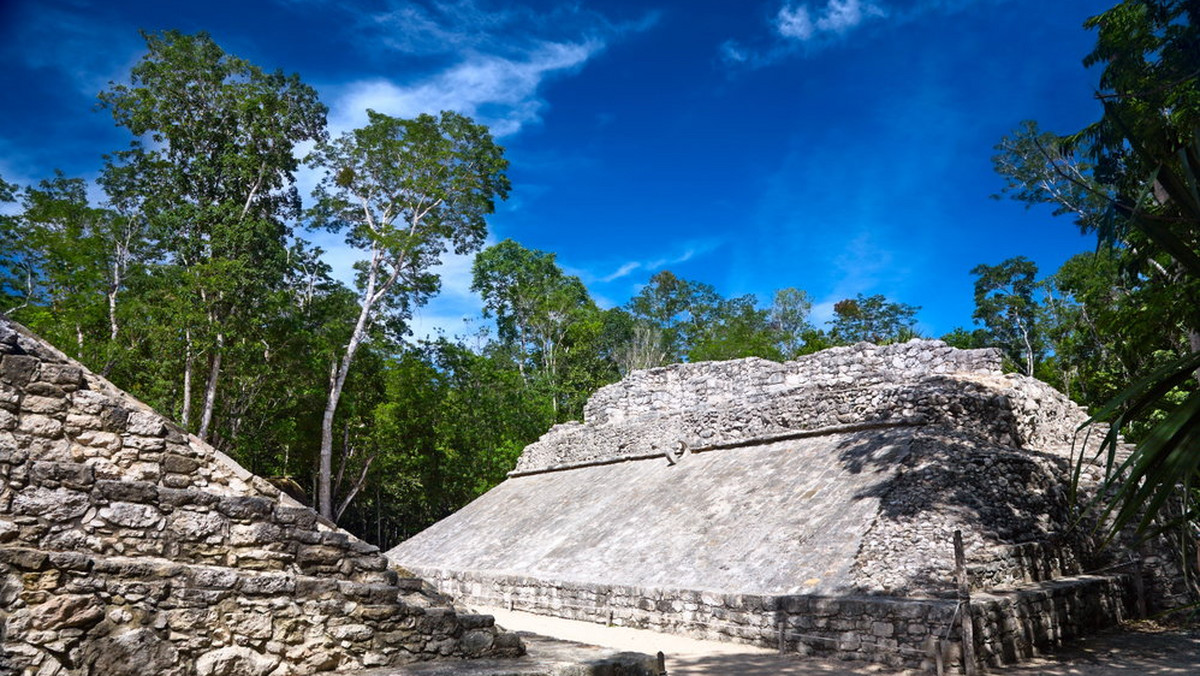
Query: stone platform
810	504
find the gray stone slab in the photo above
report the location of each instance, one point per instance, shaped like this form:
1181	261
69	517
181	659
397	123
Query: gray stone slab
782	518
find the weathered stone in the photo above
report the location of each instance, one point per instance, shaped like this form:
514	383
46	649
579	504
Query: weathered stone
245	507
131	515
40	426
190	525
64	612
55	505
69	376
235	661
127	491
37	404
18	369
179	464
145	423
133	653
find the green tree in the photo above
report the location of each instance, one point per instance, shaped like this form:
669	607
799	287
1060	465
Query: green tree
737	328
403	190
1142	168
1005	305
62	254
788	318
212	165
873	319
679	310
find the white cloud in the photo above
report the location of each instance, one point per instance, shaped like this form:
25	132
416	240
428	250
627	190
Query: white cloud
794	22
690	251
807	26
838	16
87	55
499	91
622	271
494	62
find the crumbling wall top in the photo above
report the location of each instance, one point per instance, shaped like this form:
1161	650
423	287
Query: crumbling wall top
682	387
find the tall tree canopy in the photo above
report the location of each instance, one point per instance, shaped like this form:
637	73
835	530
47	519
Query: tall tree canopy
212	164
404	191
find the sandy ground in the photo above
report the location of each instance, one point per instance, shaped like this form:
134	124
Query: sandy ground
1145	652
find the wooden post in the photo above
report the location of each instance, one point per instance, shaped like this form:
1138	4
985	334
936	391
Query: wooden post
1139	587
964	599
782	628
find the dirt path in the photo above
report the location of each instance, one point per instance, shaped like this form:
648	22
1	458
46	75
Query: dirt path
1143	652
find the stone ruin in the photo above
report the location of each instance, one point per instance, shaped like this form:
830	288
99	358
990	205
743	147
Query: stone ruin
809	506
129	547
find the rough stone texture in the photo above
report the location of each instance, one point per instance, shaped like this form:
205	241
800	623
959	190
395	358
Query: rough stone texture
728	499
130	547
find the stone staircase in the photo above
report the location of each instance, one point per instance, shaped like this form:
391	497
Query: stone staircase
130	547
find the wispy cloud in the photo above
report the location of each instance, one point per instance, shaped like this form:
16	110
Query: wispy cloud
493	62
501	92
803	27
86	55
689	251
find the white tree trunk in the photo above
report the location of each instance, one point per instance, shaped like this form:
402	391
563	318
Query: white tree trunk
337	381
210	387
185	415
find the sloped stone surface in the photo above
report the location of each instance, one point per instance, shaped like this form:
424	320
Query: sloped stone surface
130	546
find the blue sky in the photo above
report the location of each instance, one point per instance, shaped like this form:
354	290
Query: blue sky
837	146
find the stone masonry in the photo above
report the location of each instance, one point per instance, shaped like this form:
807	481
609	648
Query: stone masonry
809	505
130	547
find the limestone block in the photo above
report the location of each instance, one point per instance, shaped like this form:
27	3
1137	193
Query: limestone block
54	505
254	534
131	515
193	526
235	661
98	439
18	369
40	426
66	375
145	423
64	612
134	653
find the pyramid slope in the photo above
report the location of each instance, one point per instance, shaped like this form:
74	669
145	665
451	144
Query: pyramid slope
780	518
129	547
756	477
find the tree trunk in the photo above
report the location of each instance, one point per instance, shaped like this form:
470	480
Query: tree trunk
186	414
337	381
210	387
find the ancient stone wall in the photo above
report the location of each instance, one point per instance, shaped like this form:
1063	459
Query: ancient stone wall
709	384
130	547
1010	626
708	405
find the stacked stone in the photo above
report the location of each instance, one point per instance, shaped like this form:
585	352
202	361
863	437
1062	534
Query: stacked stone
709	384
130	547
719	404
1018	623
